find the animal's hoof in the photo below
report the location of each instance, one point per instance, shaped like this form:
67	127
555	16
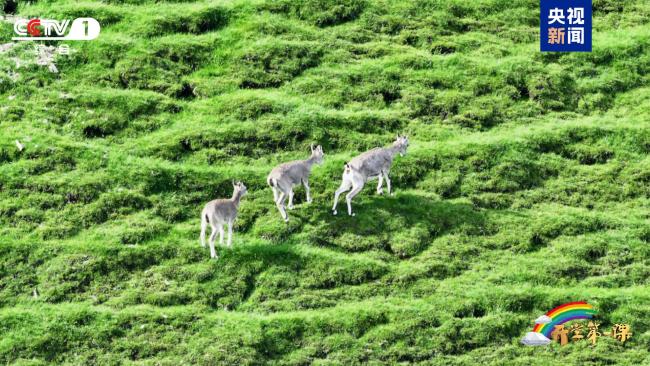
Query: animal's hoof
286	220
353	214
334	212
290	207
380	192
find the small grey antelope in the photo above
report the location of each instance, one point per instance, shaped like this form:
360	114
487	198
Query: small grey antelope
371	164
285	176
219	212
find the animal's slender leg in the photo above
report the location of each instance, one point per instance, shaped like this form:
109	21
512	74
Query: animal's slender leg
350	196
291	199
305	182
345	185
213	236
385	173
230	233
204	226
221	235
381	180
275	194
280	205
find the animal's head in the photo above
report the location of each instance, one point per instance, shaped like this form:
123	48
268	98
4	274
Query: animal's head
239	188
401	143
317	154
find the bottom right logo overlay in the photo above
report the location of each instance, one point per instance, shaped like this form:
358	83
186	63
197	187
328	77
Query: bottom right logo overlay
553	327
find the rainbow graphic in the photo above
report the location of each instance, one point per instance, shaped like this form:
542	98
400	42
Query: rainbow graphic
563	314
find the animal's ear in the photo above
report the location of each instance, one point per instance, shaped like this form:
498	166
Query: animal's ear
233	183
311	146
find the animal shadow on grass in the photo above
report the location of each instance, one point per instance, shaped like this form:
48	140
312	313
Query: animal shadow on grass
402	218
231	280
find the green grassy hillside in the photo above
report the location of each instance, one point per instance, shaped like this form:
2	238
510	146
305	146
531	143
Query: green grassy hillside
526	185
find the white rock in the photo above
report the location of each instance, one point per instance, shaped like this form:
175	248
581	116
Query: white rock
6	47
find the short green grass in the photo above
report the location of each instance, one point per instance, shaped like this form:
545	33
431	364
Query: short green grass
526	185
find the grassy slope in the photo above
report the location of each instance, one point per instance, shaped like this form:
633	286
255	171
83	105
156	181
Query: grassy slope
526	184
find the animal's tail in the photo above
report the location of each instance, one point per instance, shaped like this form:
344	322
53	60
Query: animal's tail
272	181
347	169
204	225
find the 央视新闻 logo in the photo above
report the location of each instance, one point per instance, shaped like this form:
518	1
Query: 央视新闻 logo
565	25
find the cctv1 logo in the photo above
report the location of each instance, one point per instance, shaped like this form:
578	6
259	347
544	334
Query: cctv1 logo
81	29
